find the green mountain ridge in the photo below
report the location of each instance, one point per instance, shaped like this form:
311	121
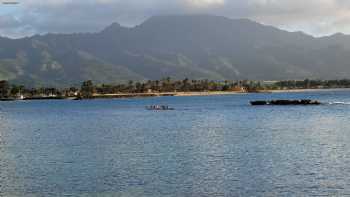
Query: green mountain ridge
196	47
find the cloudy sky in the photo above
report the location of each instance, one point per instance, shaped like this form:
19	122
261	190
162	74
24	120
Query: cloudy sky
316	17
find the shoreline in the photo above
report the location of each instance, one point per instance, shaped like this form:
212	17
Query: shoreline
180	94
216	93
308	90
175	94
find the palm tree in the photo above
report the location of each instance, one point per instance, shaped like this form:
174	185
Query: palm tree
4	89
87	89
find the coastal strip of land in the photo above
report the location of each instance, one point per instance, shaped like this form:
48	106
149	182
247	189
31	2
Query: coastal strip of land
210	93
180	94
176	94
309	90
165	87
136	95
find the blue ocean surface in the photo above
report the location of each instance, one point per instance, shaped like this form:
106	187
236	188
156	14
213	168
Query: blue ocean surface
208	146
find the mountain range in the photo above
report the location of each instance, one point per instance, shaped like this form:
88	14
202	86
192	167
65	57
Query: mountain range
192	46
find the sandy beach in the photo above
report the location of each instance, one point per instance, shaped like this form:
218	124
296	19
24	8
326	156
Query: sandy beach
214	93
207	93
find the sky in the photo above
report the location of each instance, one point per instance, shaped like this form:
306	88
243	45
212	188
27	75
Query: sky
29	17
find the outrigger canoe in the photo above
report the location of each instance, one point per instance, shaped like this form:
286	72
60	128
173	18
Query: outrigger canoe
159	108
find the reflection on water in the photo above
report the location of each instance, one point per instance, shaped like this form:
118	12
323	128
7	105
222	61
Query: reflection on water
208	146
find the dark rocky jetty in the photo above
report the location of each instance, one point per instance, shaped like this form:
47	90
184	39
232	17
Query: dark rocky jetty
286	102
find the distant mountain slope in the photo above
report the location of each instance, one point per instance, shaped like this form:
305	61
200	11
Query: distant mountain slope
197	47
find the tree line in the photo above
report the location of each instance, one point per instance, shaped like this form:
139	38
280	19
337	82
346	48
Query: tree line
88	88
158	86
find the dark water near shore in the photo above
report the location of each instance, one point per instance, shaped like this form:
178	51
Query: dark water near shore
208	146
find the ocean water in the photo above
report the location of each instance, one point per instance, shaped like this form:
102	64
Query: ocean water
209	146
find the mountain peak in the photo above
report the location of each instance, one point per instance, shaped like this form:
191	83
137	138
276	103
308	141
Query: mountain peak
193	18
187	46
338	35
114	27
196	23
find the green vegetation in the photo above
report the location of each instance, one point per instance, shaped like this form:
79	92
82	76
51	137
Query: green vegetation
88	90
195	47
314	84
167	85
4	89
